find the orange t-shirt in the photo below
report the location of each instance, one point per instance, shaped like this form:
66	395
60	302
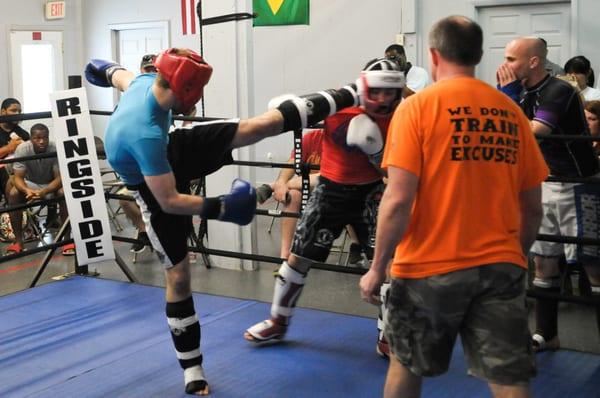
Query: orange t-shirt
473	150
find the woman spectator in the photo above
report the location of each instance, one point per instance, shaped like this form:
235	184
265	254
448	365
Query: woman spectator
581	69
592	115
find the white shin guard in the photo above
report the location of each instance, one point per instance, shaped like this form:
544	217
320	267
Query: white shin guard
288	286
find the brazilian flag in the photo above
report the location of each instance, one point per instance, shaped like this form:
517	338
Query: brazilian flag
280	12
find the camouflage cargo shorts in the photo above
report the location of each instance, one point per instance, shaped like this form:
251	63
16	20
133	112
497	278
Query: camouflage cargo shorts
485	305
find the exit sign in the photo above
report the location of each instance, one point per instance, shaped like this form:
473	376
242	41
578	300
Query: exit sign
55	9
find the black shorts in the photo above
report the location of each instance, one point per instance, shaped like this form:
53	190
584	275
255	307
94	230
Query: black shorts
4	177
193	153
168	233
201	149
332	206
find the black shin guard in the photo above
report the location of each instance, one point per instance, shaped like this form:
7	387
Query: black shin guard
546	309
185	331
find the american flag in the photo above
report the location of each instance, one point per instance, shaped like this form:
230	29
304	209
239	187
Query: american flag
189	21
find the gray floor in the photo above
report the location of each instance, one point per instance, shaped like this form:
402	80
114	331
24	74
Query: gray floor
325	290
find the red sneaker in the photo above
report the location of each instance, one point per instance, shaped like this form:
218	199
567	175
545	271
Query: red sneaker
68	249
383	348
14	248
265	331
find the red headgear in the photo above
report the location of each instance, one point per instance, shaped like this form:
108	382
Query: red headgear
187	75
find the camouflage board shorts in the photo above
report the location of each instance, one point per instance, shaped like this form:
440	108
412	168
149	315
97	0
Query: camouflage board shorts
485	305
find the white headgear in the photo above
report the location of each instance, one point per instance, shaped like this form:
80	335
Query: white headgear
380	73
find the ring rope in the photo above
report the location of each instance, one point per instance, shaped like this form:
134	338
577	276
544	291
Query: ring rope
303	169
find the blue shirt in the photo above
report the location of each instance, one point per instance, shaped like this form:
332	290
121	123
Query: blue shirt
136	137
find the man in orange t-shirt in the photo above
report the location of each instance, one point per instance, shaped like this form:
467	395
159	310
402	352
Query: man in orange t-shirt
461	209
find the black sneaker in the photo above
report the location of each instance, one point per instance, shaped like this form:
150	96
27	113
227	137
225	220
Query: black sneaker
140	246
354	254
52	221
263	193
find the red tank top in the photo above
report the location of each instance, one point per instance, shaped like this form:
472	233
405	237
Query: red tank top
342	163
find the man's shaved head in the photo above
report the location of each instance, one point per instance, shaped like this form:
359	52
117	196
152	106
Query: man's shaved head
526	56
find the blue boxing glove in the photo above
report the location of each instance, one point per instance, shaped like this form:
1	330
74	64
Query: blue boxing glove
513	90
238	206
100	72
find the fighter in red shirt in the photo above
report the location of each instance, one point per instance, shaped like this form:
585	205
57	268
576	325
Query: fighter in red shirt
348	192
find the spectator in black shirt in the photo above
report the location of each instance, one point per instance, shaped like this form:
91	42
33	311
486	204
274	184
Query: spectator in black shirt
555	108
11	135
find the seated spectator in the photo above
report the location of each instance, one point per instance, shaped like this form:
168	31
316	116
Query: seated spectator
592	115
147	64
34	180
11	135
133	213
287	190
580	68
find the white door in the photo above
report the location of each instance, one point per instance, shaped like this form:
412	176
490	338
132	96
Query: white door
133	44
37	68
551	21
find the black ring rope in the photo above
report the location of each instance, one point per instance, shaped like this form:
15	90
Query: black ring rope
48	115
240	16
301	169
28	205
31	157
311	166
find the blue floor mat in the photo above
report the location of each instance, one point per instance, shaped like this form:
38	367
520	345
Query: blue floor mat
86	337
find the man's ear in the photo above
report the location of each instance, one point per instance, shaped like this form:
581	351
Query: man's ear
534	62
434	56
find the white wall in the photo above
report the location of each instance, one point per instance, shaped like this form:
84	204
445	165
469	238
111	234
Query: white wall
29	15
221	95
585	29
329	53
251	65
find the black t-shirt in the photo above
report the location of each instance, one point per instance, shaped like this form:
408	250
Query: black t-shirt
557	104
5	135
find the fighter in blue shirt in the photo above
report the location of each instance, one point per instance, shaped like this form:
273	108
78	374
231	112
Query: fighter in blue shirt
157	167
